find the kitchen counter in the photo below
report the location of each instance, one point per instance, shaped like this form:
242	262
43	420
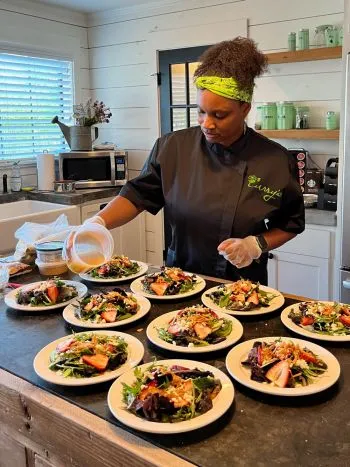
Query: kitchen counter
312	216
73	198
258	430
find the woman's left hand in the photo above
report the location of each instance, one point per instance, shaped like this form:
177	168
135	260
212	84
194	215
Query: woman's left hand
240	251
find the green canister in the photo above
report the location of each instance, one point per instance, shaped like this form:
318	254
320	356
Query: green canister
303	39
292	41
285	115
331	120
269	116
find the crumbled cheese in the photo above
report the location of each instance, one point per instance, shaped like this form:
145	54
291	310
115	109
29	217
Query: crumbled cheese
191	344
173	342
301	363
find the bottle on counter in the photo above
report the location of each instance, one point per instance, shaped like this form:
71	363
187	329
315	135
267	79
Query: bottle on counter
16	179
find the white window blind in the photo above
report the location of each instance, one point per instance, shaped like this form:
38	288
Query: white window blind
32	91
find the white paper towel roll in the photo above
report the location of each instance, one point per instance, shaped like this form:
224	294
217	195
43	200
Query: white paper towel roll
45	164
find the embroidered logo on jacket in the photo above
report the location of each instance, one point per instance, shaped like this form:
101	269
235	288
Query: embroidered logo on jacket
267	192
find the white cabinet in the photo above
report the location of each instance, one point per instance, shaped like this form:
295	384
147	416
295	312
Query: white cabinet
129	239
304	266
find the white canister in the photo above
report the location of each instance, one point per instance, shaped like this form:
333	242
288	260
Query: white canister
46	171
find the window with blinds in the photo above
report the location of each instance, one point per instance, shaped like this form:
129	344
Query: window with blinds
32	91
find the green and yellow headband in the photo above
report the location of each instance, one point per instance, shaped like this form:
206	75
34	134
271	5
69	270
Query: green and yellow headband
225	87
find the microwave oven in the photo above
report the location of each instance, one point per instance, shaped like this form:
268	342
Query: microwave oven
94	169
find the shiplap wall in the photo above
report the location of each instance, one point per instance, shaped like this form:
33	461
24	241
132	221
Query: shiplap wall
41	29
122	56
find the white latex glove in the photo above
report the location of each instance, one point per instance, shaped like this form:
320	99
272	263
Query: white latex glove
240	251
96	220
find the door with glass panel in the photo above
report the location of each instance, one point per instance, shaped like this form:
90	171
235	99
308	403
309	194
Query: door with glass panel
177	99
177	91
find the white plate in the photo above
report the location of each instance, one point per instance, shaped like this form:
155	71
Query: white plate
163	320
11	301
304	332
275	303
141	272
144	306
242	374
137	288
221	403
42	359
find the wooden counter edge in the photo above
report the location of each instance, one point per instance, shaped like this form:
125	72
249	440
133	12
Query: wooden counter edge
47	430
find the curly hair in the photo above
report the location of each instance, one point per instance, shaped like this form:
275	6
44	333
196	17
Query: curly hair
238	58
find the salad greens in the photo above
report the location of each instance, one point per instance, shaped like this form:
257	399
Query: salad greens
196	326
241	295
116	268
169	281
107	307
331	319
170	394
88	354
47	293
284	364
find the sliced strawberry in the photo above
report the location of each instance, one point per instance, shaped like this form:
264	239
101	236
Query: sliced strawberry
308	357
63	346
109	316
253	298
98	361
345	320
159	288
279	374
53	293
307	320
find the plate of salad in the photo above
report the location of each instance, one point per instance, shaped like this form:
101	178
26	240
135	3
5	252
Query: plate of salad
45	295
243	297
168	284
88	358
283	366
194	329
328	321
119	268
170	396
106	309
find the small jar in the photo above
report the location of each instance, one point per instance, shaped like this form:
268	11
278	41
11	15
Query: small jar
49	252
331	37
269	116
285	115
331	120
302	117
303	39
292	41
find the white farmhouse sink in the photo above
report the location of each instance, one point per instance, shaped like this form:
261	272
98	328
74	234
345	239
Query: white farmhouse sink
14	215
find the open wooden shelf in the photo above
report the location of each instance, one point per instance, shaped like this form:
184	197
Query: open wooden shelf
321	53
311	133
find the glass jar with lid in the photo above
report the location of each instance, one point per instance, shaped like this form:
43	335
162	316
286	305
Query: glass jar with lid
302	116
269	116
319	37
285	115
257	124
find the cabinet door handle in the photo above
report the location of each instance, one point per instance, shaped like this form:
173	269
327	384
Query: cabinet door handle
346	284
270	255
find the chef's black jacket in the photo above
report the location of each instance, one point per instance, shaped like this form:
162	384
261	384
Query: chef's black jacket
212	193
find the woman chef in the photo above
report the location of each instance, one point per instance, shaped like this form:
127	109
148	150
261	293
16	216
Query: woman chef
231	194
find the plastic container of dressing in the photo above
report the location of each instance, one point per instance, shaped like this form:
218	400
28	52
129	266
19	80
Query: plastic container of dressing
88	247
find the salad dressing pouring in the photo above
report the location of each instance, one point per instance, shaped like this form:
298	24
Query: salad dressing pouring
87	247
